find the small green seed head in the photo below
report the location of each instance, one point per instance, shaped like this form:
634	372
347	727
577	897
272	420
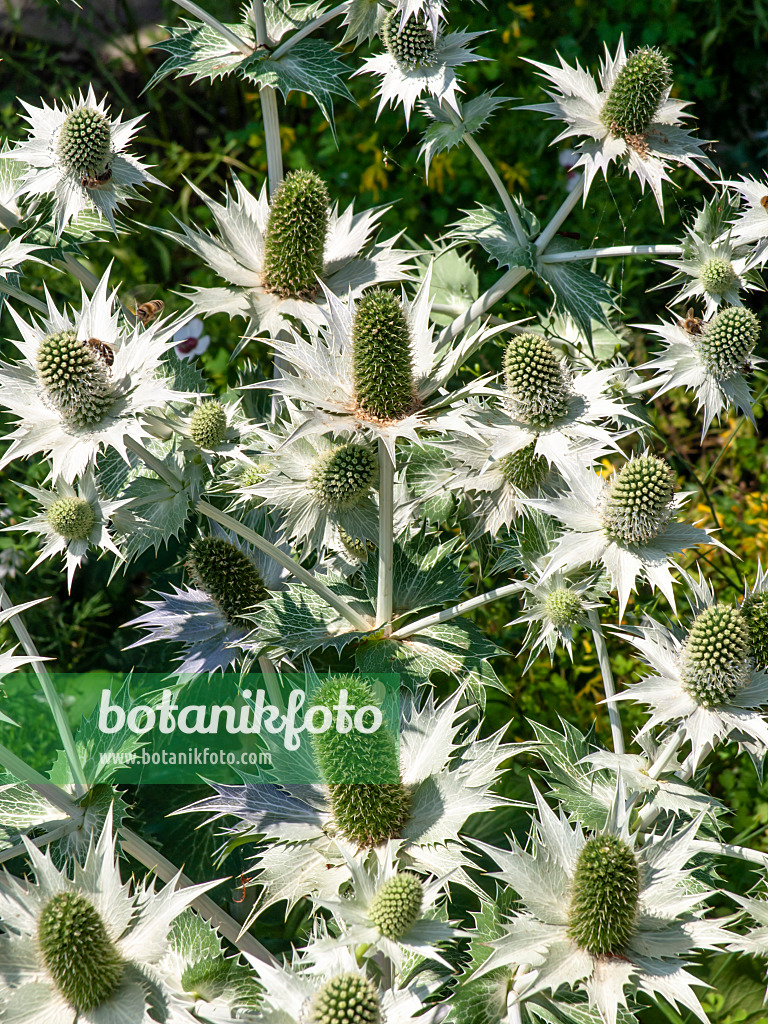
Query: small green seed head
754	611
346	999
382	365
397	905
563	607
414	46
637	93
524	469
727	341
717	275
536	383
206	979
604	896
294	246
638	506
72	518
228	576
715	657
85	142
343	475
208	424
74	380
77	951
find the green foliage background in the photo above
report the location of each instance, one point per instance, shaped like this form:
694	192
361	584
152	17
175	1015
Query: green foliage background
202	133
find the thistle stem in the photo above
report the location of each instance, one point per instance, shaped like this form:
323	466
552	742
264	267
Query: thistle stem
268	99
49	837
49	690
498	184
309	28
737	852
613	250
665	755
386	535
216	25
153	463
566	208
341	606
455	610
610	690
8	218
18	293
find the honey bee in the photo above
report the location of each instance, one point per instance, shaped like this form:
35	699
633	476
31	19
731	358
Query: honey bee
147	311
102	350
764	203
97	180
691	324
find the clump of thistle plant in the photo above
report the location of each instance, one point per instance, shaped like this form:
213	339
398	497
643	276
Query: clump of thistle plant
228	576
728	340
73	379
343	475
294	246
604	896
715	656
381	356
637	507
536	383
397	905
346	999
85	142
412	46
637	93
208	424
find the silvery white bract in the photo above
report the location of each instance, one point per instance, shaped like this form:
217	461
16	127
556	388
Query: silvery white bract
353	260
318	374
714	273
74	548
578	101
449	776
9	660
131	928
667	929
131	386
751	226
47	174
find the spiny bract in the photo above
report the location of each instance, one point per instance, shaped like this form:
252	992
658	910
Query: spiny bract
397	905
208	424
536	383
714	661
294	246
412	47
343	475
726	342
563	607
228	576
74	380
85	142
77	951
637	93
346	999
382	365
638	505
604	896
72	518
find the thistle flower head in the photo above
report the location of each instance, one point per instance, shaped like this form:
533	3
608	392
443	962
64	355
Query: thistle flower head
346	999
524	469
227	575
296	233
73	379
381	356
754	612
564	607
208	424
638	504
639	90
726	342
413	46
717	275
715	656
85	141
535	380
604	896
397	905
344	474
72	518
74	945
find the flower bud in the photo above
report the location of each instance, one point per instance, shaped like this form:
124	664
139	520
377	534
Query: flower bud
208	424
343	475
726	342
85	142
604	896
714	662
228	576
346	999
294	247
536	383
411	47
381	356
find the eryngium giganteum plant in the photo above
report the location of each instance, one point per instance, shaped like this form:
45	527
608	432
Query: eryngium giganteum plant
330	485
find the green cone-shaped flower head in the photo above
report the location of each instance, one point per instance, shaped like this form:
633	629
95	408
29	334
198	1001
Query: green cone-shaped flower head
74	380
717	275
637	93
208	424
228	576
85	142
726	342
77	951
536	382
412	47
382	364
754	611
362	770
524	469
397	905
714	661
294	246
343	475
604	896
638	506
207	978
564	607
346	999
72	518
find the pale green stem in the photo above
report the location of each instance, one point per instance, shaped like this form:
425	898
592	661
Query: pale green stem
8	218
666	754
50	837
17	293
287	562
728	850
498	184
216	25
562	214
153	463
608	685
272	682
49	690
455	610
613	250
386	535
309	28
268	99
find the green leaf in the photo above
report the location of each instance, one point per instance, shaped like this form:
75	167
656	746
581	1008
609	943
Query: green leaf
200	52
585	793
193	938
423	575
577	290
443	134
492	229
160	513
23	809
